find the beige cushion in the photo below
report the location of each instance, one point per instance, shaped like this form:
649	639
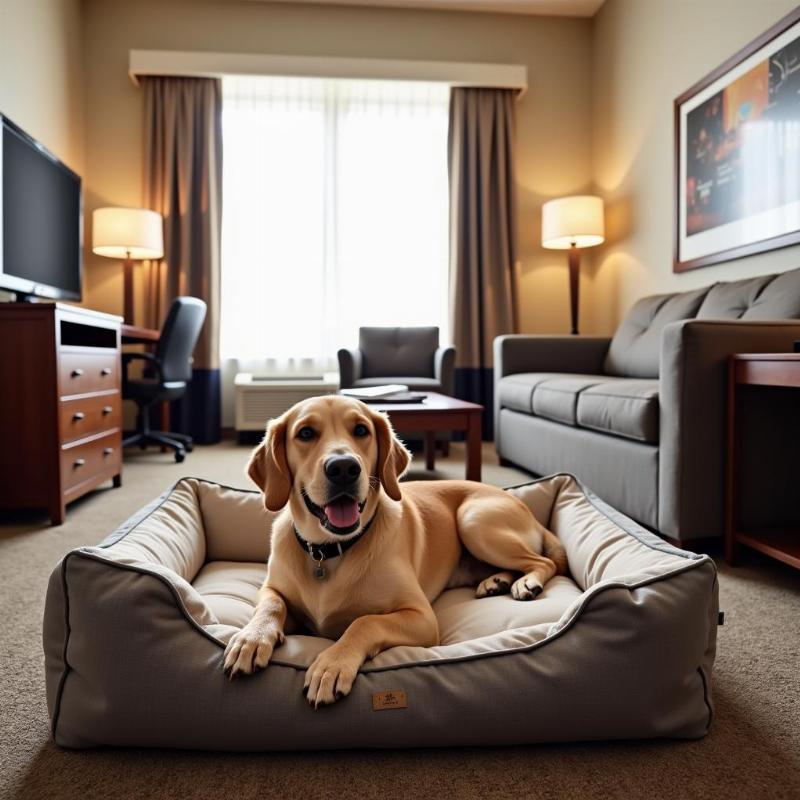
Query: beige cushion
620	648
236	528
624	407
230	588
462	619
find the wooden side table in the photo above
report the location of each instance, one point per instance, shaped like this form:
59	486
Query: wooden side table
755	369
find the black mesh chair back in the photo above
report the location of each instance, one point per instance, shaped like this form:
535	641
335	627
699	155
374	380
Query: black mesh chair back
178	338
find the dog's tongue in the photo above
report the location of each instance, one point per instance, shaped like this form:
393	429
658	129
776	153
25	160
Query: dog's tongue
342	512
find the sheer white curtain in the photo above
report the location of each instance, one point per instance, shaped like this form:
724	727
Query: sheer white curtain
335	215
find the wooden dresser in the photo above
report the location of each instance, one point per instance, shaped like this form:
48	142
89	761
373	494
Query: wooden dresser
60	405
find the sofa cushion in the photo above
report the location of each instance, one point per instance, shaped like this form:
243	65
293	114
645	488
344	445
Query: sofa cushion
398	351
516	391
779	299
731	299
626	408
635	348
556	398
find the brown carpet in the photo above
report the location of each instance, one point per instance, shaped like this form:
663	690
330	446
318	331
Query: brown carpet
752	751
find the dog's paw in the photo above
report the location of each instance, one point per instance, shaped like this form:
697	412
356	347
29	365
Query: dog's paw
330	677
528	587
500	583
250	649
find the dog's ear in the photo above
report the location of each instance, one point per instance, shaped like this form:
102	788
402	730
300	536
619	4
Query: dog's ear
393	458
268	467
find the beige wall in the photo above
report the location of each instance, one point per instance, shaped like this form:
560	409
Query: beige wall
41	86
554	116
598	111
646	53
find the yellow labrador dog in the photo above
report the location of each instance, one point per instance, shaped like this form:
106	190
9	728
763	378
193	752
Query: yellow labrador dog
356	559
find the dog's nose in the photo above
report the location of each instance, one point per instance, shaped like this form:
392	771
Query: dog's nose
342	470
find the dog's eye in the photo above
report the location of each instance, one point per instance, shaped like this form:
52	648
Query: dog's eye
360	430
306	434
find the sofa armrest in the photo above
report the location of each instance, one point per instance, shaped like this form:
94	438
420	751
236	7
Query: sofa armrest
349	367
693	416
532	353
444	366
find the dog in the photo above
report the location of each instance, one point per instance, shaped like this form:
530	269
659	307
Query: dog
356	559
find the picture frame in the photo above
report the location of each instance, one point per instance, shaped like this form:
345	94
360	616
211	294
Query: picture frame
737	154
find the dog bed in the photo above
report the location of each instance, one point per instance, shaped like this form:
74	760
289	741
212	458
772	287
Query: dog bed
134	632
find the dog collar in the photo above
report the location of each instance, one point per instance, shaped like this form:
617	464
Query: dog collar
324	551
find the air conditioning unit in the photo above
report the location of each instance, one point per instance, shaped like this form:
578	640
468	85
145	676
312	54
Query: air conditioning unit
259	398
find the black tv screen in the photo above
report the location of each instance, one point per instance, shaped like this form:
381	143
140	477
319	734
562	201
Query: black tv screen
41	247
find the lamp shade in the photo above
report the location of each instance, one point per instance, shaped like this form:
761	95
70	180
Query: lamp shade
570	221
134	233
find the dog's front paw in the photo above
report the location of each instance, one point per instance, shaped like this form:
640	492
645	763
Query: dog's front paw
528	587
330	677
250	649
496	584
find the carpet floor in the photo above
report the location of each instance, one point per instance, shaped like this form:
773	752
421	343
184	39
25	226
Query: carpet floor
752	750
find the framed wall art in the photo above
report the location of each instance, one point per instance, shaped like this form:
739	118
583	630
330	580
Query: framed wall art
737	159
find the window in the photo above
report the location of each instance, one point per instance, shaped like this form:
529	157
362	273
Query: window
335	213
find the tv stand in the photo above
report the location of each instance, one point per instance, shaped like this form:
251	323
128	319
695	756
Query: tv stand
60	407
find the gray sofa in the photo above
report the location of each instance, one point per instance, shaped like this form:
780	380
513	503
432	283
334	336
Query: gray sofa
641	417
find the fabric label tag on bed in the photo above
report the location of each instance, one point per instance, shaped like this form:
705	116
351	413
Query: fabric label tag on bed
394	698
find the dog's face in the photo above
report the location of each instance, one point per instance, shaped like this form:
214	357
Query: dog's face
329	458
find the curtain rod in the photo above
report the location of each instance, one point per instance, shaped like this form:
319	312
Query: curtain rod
217	65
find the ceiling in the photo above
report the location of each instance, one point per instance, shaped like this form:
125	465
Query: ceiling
561	8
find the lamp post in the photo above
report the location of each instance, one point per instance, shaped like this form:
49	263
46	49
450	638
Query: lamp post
130	234
572	223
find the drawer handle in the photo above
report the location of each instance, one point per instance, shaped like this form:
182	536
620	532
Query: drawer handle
105	371
79	462
107	410
77	372
107	451
78	415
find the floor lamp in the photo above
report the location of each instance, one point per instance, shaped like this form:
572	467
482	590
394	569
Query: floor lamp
129	234
571	223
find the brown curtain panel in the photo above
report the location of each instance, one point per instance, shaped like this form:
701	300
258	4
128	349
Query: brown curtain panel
482	236
183	181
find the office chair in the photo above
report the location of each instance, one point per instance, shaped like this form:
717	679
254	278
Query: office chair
167	374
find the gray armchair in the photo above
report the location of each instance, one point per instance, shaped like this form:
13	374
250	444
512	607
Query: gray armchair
411	356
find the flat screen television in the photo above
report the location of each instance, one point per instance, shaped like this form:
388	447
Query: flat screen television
40	219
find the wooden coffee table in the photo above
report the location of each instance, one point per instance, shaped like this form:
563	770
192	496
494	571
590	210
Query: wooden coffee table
438	412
